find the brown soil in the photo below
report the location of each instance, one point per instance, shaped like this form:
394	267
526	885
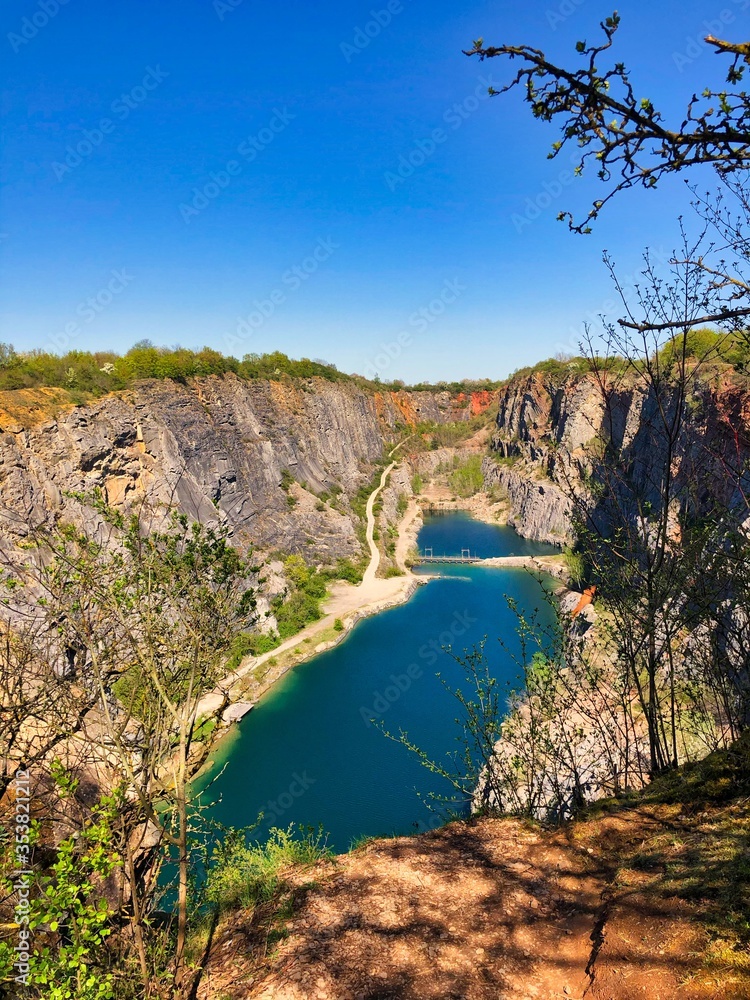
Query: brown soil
25	408
488	910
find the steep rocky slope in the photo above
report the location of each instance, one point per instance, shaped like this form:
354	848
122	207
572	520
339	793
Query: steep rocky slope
642	897
549	428
219	447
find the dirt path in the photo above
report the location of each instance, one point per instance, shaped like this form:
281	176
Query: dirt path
368	597
494	910
372	566
370	573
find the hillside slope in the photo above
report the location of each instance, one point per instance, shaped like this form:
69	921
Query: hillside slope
641	898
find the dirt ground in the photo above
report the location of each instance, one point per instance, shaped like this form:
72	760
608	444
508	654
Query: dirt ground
483	911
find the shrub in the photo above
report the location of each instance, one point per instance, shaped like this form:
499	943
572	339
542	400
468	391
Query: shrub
345	569
287	479
302	604
250	644
298	611
203	729
467	478
243	875
72	911
575	566
338	625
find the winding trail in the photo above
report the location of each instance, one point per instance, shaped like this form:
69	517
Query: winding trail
372	567
374	564
368	597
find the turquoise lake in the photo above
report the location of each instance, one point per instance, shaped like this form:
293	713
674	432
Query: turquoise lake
309	754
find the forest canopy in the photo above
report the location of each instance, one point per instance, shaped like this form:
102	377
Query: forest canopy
98	372
94	373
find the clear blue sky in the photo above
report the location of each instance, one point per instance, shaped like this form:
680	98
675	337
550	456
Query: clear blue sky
117	114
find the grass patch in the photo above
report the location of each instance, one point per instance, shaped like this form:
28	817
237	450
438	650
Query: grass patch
244	874
467	478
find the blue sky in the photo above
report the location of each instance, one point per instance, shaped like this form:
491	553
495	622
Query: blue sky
226	173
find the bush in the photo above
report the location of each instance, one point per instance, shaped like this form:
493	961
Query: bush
203	729
416	484
250	644
294	614
467	479
345	569
575	566
243	875
302	604
70	910
287	480
338	625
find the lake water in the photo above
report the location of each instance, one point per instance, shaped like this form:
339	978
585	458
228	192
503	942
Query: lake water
309	754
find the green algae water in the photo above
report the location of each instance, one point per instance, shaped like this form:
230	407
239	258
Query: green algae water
309	753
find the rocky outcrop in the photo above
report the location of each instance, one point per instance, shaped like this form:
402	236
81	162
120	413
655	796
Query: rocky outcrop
538	507
255	455
550	432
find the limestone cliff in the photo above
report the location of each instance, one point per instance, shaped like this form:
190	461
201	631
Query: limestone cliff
548	431
254	454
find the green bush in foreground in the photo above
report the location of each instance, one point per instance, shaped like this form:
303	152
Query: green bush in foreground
69	913
244	875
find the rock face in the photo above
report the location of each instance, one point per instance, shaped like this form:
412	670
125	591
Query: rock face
538	507
548	433
252	454
257	455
